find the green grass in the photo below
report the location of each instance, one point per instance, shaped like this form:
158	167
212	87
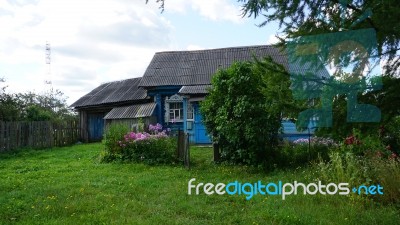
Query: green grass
68	186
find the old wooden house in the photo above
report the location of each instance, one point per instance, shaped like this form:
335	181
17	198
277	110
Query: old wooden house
179	80
169	93
118	101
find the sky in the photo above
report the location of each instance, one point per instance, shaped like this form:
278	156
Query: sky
93	42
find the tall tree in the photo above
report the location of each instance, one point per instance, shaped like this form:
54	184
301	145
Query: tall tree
307	17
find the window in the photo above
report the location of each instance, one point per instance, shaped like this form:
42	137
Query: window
176	111
190	112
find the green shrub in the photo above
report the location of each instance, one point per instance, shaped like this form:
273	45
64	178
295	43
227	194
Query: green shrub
244	108
364	161
387	173
114	133
343	168
300	152
155	148
151	151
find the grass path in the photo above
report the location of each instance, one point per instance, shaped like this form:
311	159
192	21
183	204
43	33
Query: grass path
68	186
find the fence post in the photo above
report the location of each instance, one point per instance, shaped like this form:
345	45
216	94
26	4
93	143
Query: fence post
187	151
181	145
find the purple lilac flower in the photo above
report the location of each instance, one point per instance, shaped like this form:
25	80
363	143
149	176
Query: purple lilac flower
132	135
301	141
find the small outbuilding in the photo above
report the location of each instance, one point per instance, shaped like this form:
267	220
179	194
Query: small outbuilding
117	101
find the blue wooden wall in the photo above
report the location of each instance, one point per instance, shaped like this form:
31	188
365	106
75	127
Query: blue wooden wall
197	131
95	126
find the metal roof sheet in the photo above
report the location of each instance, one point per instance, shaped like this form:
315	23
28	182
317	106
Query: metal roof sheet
197	67
132	111
113	92
198	89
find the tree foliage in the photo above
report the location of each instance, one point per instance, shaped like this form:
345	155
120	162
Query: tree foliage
31	106
9	107
309	17
244	109
386	99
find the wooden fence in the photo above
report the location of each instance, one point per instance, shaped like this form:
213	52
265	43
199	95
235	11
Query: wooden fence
183	151
41	134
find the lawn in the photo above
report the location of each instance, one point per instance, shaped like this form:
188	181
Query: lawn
69	186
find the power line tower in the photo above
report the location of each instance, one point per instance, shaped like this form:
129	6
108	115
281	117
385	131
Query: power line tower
48	81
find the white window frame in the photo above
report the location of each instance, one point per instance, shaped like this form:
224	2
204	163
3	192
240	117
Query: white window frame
174	99
176	110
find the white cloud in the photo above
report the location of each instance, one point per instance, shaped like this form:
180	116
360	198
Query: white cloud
91	42
218	10
221	10
194	47
272	39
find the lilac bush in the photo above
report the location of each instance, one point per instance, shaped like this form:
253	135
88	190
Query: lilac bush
301	141
303	151
316	141
329	142
151	148
155	128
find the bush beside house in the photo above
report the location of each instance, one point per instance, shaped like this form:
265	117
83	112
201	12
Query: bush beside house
155	147
244	110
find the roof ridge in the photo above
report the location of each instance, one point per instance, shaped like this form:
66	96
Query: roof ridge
213	49
123	80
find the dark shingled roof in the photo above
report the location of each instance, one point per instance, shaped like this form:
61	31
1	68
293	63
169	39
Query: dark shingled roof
197	67
113	92
193	68
133	111
198	89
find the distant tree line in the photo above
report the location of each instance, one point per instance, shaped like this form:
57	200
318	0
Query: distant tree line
31	106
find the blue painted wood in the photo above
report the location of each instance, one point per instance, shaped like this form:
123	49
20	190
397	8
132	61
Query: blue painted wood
95	126
159	109
201	136
291	133
163	90
185	102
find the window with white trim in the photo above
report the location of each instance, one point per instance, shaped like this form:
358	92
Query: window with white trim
175	111
174	108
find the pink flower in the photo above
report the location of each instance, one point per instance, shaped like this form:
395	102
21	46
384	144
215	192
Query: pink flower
132	135
393	156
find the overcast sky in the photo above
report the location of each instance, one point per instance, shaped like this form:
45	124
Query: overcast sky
93	42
